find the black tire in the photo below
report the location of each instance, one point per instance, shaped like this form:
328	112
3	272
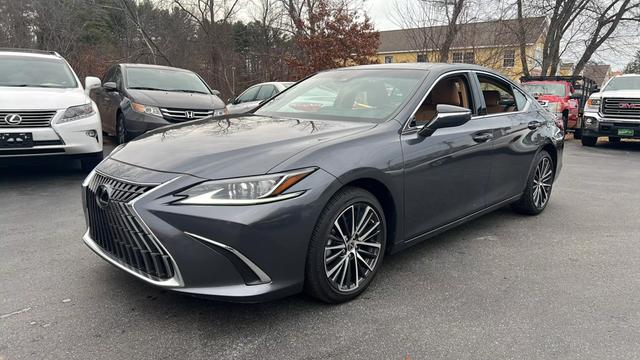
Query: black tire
318	282
589	140
528	204
614	139
87	164
577	134
122	135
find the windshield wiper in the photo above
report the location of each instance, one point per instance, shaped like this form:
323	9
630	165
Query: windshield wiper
16	85
187	91
146	88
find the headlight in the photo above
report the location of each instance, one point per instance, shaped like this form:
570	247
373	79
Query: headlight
590	122
593	104
220	112
244	191
76	113
145	109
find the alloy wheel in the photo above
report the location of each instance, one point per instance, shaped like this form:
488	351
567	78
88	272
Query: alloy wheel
352	250
542	182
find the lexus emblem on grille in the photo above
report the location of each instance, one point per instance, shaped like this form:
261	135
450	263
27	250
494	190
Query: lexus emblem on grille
103	196
13	119
629	106
188	114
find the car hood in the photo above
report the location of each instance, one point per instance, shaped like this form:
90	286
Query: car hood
29	98
618	94
218	148
178	100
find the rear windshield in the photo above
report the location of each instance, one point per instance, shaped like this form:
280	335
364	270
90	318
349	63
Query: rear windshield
624	83
351	95
27	71
545	89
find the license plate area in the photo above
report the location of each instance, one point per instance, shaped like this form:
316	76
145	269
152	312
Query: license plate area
625	132
16	140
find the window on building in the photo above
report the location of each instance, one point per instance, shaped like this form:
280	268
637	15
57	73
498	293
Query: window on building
422	58
388	59
457	57
509	59
469	57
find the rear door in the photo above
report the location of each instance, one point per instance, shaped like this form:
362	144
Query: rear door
506	113
101	98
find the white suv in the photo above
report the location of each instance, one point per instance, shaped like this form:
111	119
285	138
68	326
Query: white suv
614	111
44	109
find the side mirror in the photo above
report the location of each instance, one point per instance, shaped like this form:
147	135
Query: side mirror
215	92
447	116
110	86
91	83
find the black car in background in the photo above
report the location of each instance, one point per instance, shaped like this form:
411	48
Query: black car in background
311	192
135	98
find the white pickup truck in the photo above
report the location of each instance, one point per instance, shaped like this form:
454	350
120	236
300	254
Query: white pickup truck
614	111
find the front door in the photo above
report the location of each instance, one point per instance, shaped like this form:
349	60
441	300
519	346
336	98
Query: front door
446	174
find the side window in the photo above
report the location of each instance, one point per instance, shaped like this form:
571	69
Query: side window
521	100
266	91
498	95
249	94
452	90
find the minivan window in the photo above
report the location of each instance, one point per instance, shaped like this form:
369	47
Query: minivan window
24	71
147	78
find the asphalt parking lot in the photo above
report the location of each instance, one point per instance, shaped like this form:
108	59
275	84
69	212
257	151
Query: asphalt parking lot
563	285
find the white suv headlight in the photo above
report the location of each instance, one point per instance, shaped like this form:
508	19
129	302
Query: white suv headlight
244	191
76	113
592	104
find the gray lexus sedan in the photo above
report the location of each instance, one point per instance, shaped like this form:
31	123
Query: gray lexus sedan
316	186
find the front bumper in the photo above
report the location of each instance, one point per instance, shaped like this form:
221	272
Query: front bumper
70	138
137	123
594	124
238	253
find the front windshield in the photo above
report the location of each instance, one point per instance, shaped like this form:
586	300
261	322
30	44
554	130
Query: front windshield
624	83
143	78
545	89
28	71
354	95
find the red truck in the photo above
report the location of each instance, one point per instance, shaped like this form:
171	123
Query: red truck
564	96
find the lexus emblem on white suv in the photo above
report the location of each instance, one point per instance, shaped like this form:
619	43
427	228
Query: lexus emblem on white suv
13	119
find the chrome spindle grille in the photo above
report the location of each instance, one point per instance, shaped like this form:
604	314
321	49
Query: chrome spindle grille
622	107
185	114
26	119
117	229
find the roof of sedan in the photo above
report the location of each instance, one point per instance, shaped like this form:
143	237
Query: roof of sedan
423	66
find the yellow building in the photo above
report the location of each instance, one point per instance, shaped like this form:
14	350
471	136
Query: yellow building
494	44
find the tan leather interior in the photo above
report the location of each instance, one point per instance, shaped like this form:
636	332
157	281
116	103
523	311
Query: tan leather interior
492	100
452	91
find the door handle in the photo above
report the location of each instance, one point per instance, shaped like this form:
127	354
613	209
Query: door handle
534	124
482	137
